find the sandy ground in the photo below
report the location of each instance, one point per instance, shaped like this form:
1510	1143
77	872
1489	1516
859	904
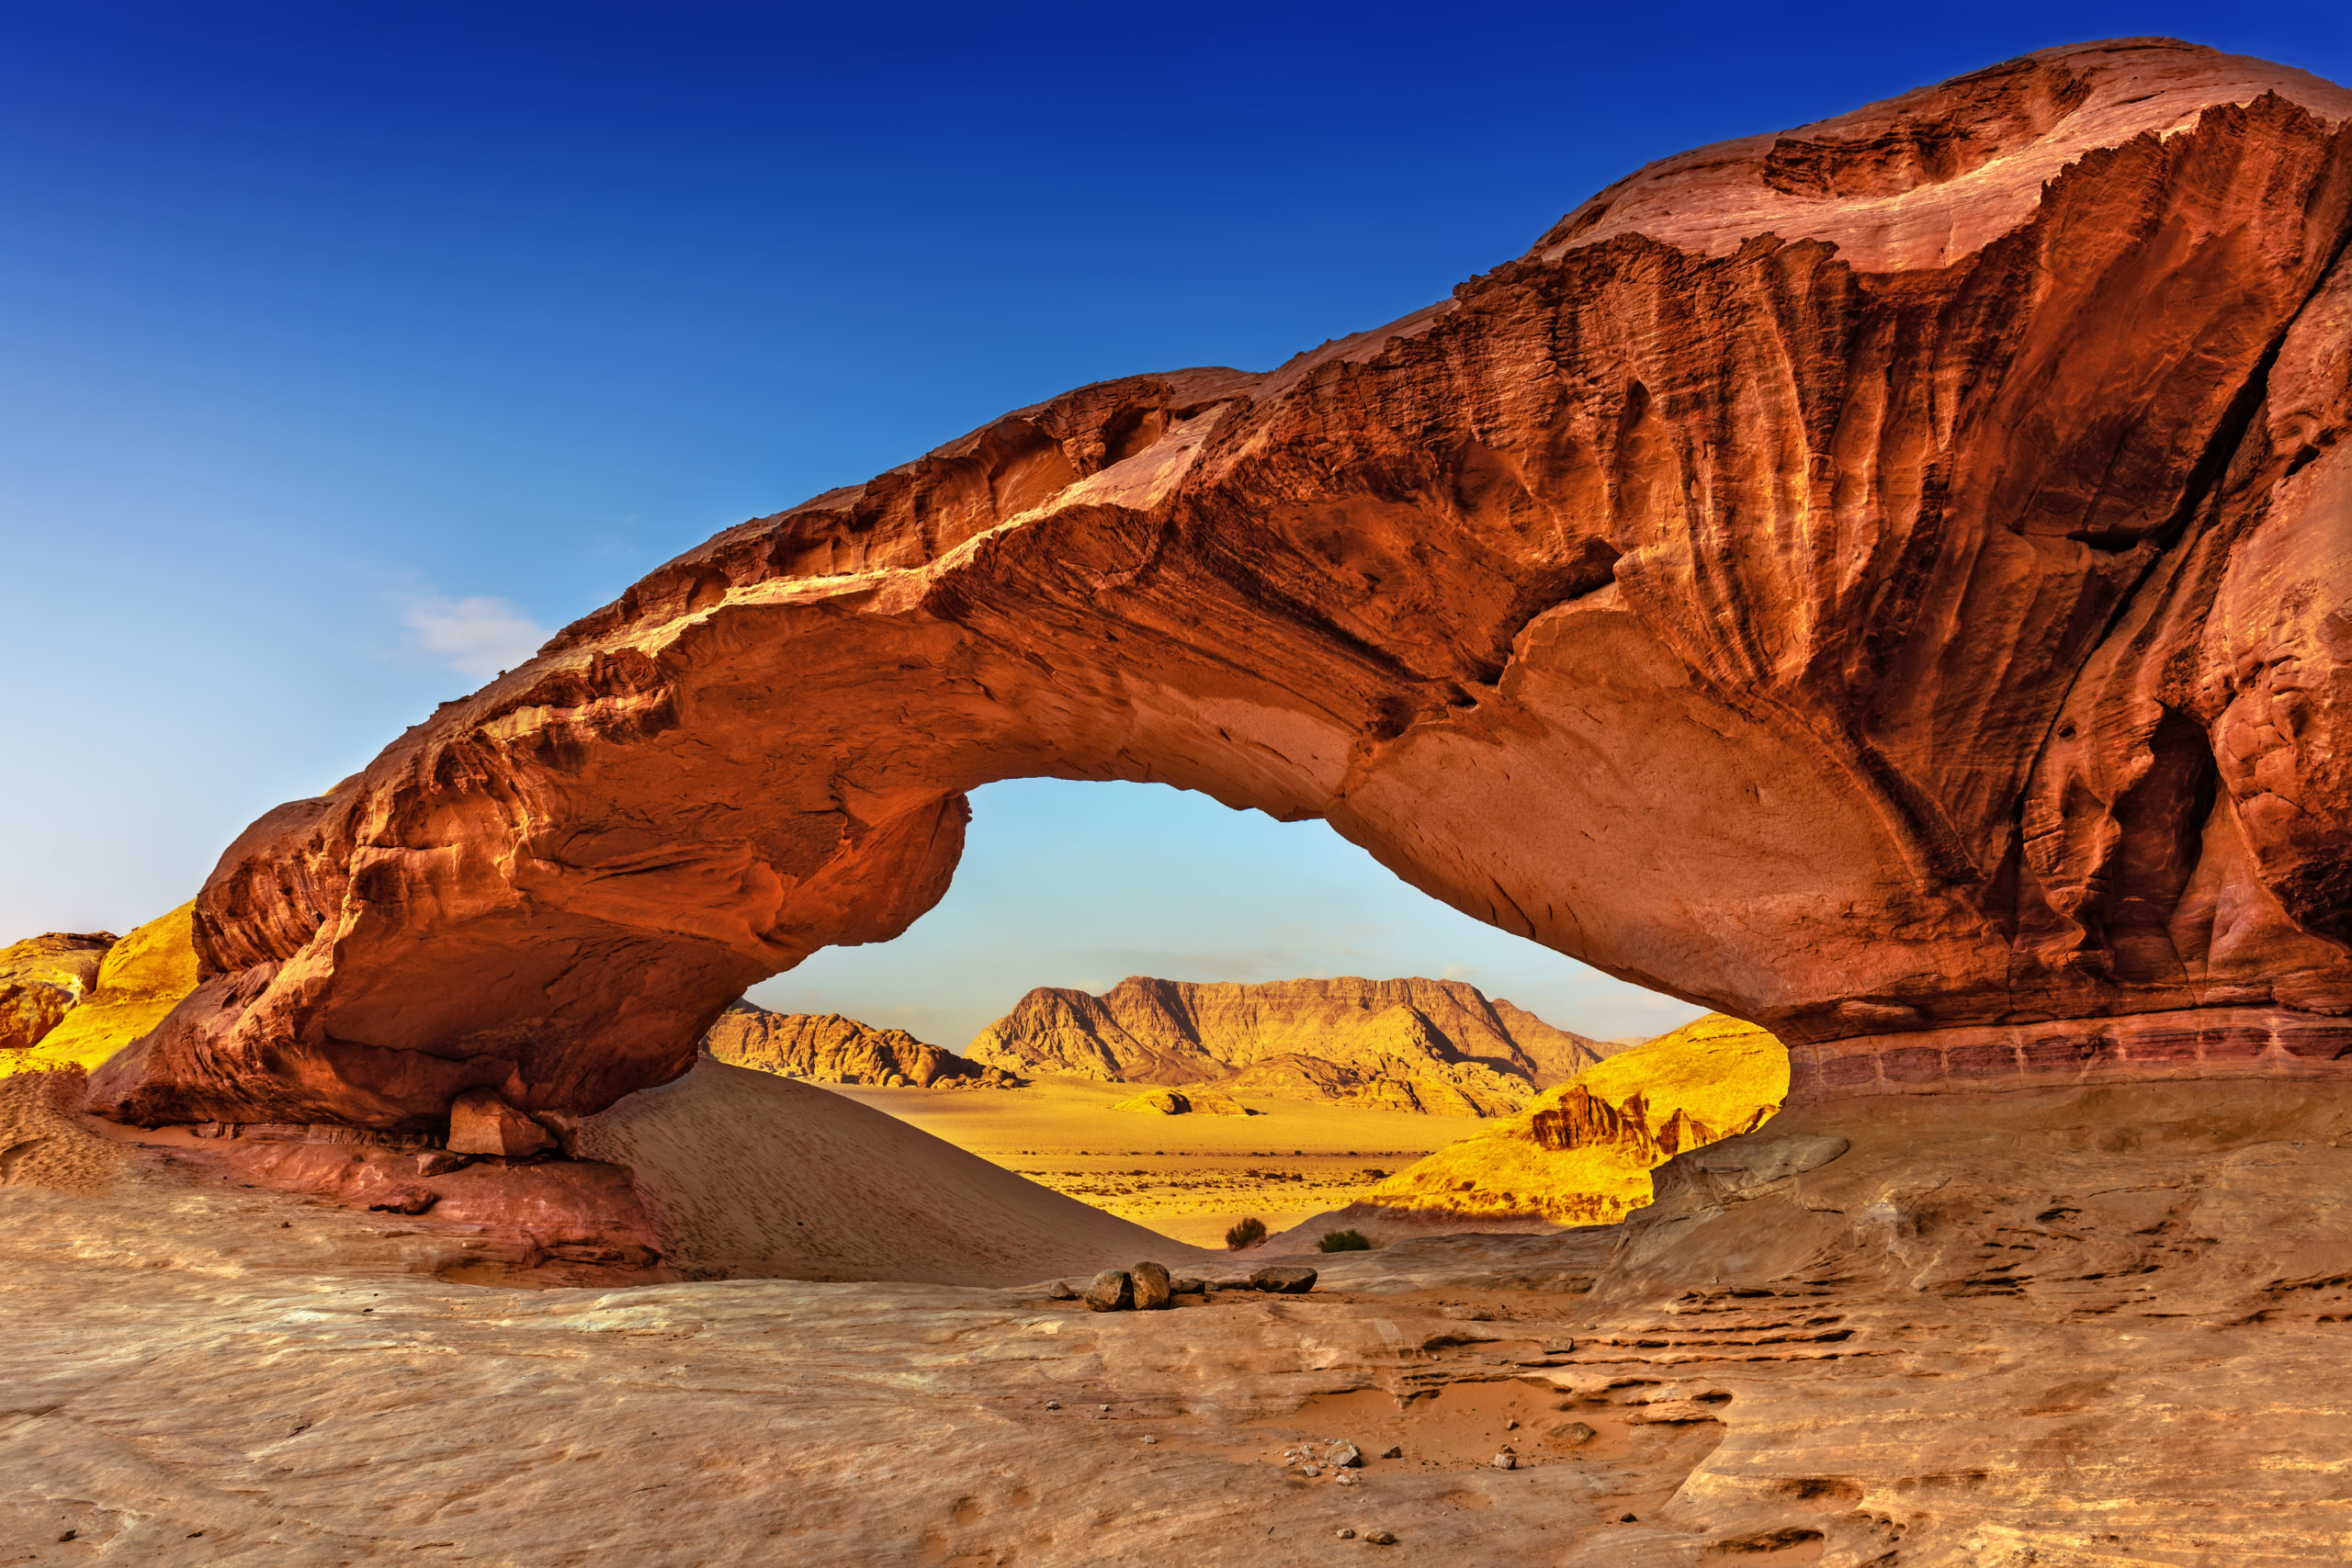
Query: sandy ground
1186	1177
2069	1329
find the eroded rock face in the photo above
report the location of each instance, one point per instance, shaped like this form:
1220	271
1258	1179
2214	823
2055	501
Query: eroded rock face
140	979
42	978
1886	577
1414	1044
829	1048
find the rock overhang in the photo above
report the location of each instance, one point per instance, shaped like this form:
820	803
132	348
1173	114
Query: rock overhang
1866	642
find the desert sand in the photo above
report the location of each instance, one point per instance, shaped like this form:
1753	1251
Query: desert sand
2088	1327
1186	1177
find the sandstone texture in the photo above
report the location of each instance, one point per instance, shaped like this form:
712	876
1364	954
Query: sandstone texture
829	1048
43	978
1582	1154
1886	577
1436	1046
481	1123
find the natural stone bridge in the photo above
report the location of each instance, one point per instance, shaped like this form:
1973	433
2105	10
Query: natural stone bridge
1891	580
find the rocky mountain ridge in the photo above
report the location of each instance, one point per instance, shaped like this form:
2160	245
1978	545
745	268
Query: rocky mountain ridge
829	1048
1438	1046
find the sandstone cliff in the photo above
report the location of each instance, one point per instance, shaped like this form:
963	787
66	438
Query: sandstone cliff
829	1048
1886	580
1428	1045
1582	1154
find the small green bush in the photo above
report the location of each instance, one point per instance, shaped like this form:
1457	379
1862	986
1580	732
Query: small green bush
1248	1233
1344	1241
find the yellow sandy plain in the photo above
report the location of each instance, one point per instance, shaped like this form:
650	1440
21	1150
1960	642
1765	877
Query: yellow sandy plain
1186	1177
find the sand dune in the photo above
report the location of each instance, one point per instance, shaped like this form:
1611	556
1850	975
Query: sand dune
746	1173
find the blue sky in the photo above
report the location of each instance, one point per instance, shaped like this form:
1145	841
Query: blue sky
345	347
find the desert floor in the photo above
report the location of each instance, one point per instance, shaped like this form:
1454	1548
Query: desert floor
1186	1177
2086	1328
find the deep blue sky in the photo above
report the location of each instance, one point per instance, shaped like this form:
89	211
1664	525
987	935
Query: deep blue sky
343	345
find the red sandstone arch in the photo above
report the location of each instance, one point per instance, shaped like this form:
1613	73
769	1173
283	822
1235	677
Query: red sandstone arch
1888	580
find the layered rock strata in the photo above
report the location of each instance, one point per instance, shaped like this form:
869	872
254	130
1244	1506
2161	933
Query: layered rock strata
829	1048
1886	578
1436	1046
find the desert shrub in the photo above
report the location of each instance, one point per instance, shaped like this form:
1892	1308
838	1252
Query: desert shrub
1344	1241
1248	1233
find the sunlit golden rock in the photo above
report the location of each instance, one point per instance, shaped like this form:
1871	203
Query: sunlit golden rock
1582	1154
140	979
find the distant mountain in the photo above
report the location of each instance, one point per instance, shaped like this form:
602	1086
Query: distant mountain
829	1048
1439	1046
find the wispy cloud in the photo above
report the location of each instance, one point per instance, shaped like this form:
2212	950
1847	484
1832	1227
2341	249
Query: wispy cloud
476	635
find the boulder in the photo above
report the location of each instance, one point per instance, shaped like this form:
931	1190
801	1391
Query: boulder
1110	1290
1153	1289
482	1123
1283	1280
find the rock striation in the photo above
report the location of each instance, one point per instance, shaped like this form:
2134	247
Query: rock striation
829	1048
1886	580
1438	1046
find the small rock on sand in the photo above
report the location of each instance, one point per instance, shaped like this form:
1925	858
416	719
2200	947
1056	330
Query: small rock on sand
1343	1453
1568	1435
1380	1538
1393	1450
1345	1534
1150	1286
1505	1461
1285	1282
1110	1290
406	1200
1059	1291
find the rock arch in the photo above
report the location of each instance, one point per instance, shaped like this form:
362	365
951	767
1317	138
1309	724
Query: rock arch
1889	582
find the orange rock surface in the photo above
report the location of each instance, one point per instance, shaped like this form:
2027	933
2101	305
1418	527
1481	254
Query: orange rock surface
1887	580
1439	1046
